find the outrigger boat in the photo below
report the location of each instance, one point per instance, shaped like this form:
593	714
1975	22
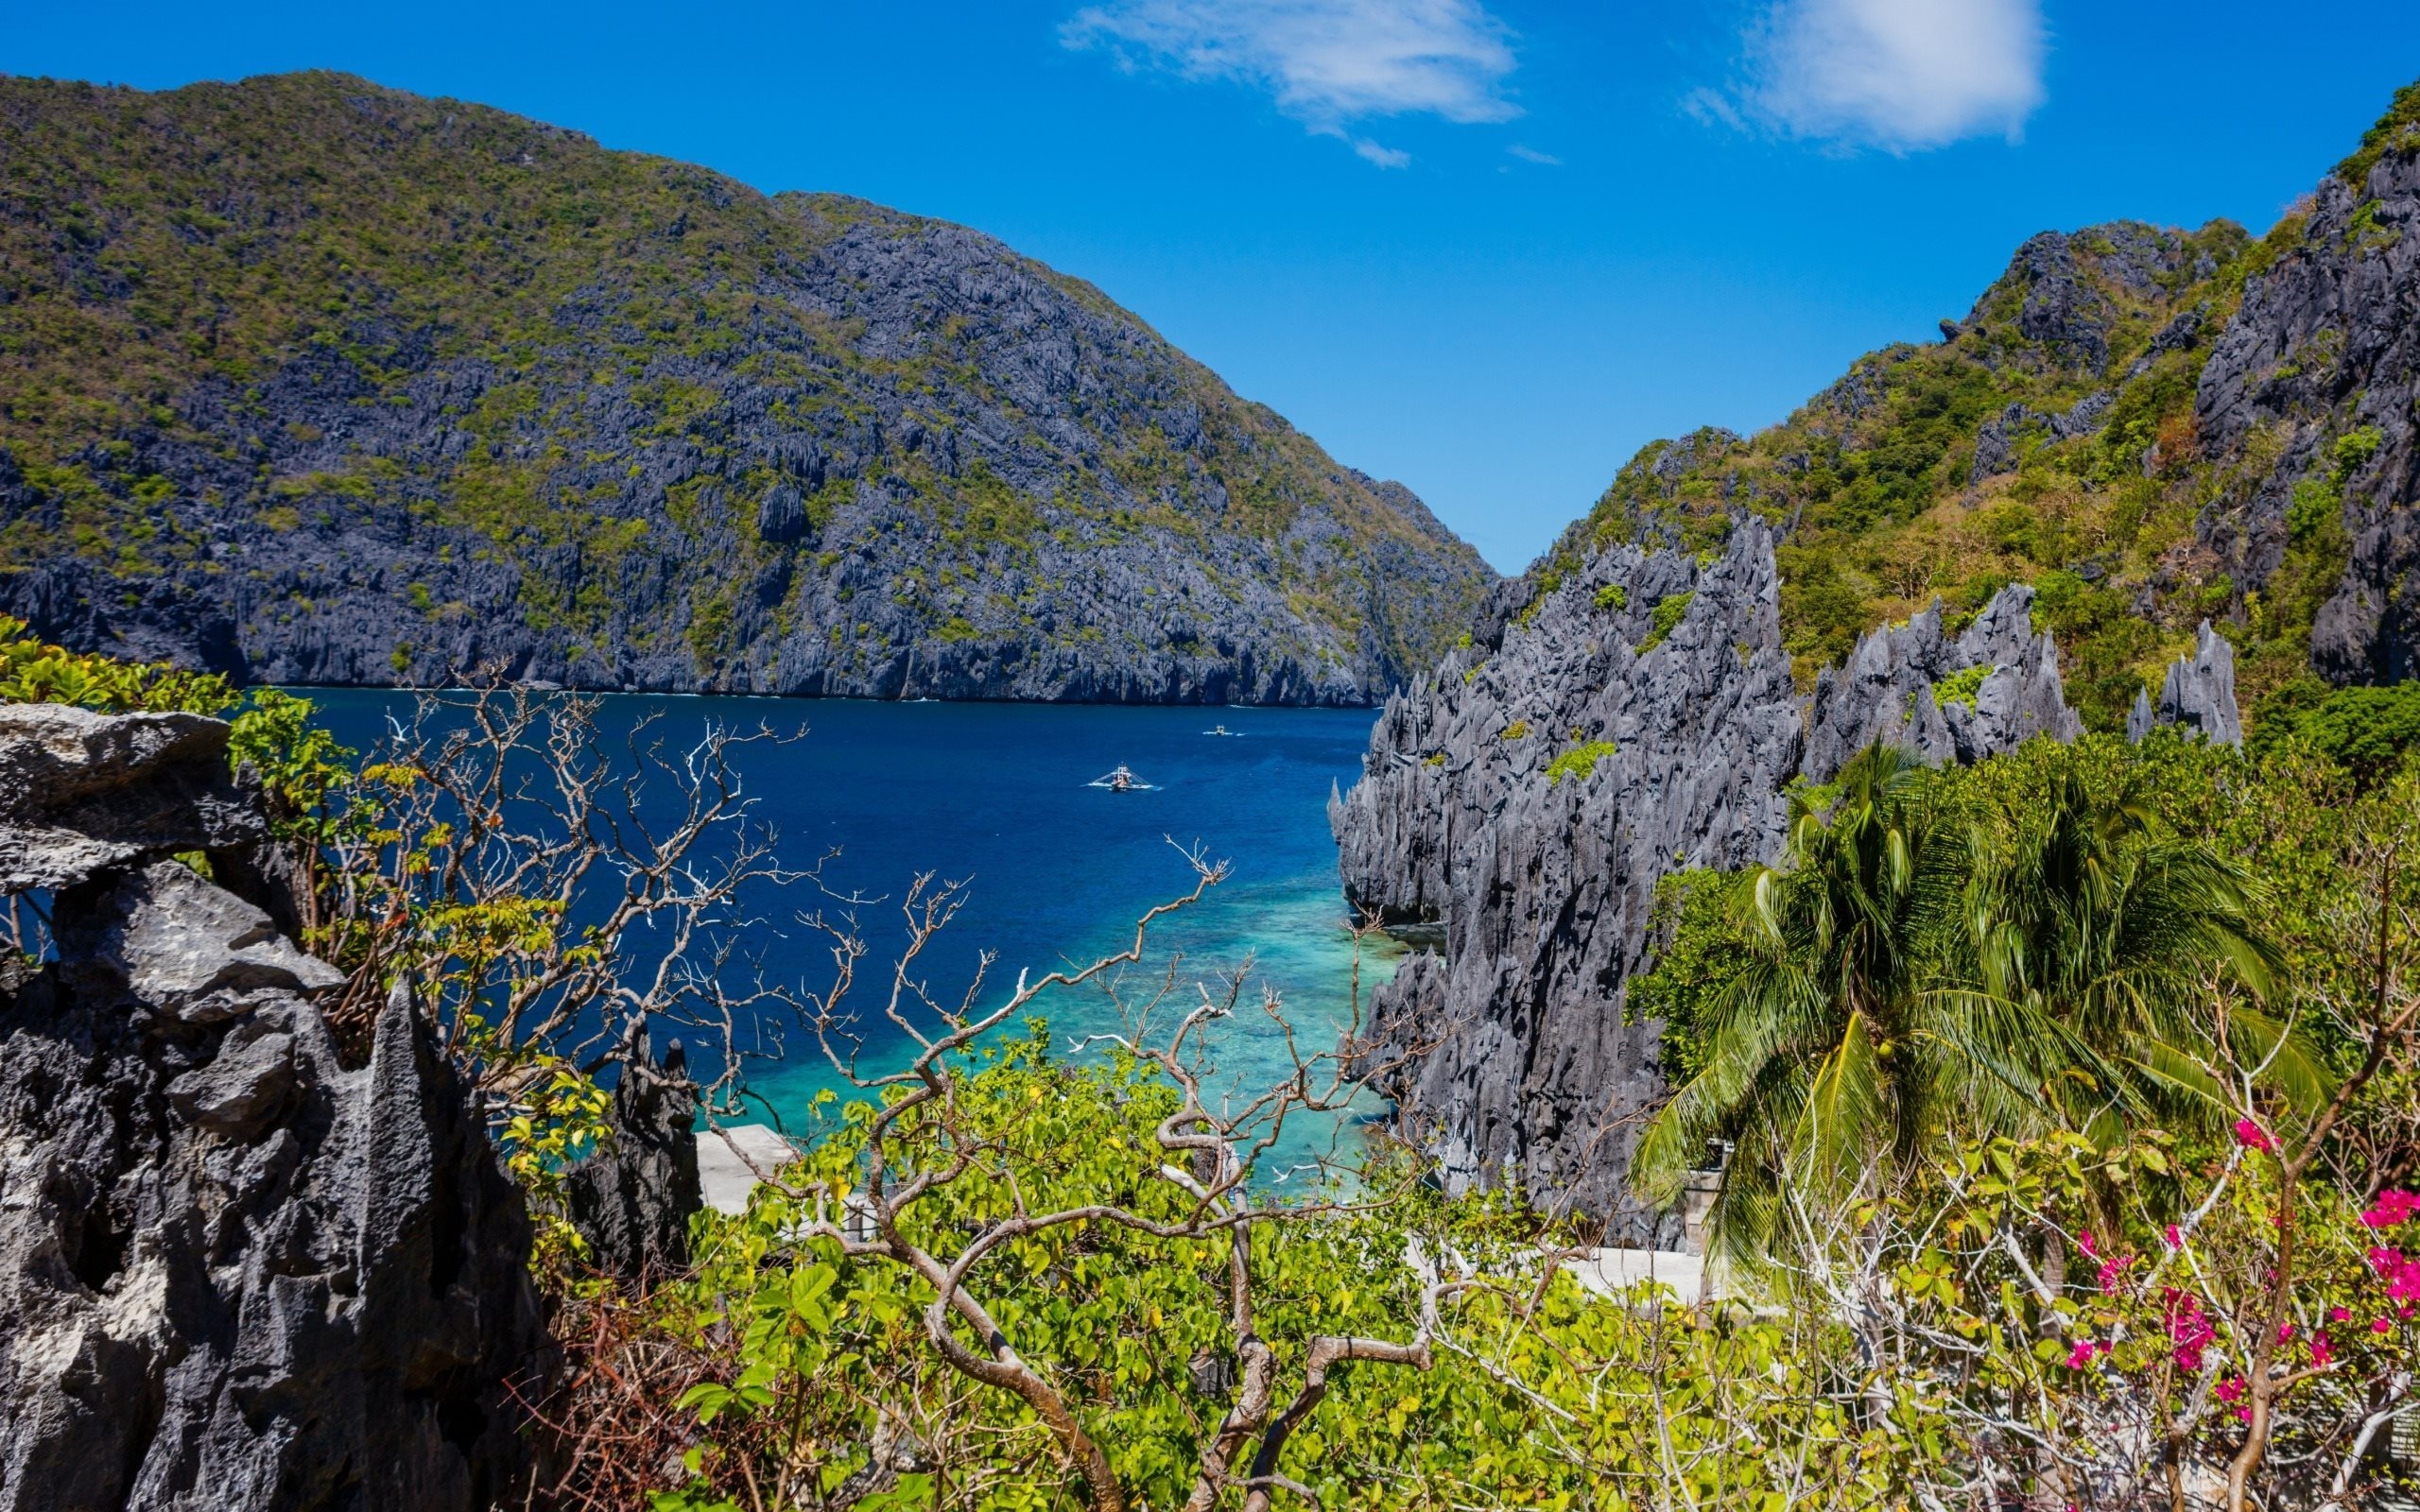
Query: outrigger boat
1120	779
1223	731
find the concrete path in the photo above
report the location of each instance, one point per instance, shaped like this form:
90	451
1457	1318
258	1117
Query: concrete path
1607	1271
725	1155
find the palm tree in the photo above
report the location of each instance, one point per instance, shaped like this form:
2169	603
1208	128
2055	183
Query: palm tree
2083	912
1910	977
1833	1052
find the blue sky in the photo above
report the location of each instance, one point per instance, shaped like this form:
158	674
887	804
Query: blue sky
1486	246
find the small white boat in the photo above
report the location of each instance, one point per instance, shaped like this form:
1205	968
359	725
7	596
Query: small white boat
1224	730
1121	778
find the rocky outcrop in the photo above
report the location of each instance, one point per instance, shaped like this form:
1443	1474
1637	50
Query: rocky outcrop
2310	393
1903	685
669	434
1519	808
633	1200
1528	803
2198	695
1997	444
237	1274
81	793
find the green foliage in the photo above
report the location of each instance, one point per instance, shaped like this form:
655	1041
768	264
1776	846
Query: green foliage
1978	951
1518	729
1960	687
1613	596
1579	761
31	672
1668	610
1702	948
1569	1401
2398	131
2367	730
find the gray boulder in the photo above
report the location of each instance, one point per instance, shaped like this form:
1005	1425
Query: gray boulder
84	792
237	1274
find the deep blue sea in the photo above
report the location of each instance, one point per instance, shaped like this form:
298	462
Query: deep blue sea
996	796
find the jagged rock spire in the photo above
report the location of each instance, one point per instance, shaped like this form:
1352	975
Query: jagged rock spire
2198	694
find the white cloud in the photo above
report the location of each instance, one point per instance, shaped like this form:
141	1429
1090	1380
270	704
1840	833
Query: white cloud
1325	62
1900	75
1544	160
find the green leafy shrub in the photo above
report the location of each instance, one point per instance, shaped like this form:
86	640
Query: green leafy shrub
1612	596
1960	687
32	672
1579	761
2368	730
1668	610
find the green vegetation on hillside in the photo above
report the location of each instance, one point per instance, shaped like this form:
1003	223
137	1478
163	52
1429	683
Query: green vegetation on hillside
1877	476
577	359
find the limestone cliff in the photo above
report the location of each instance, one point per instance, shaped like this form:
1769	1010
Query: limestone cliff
1520	805
237	1273
312	381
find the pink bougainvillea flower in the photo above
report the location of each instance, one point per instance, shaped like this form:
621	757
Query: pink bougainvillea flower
2339	1314
2189	1328
2383	1260
2231	1389
2322	1352
2382	1325
2084	1242
2251	1136
2080	1355
2391	1209
2175	1240
2284	1332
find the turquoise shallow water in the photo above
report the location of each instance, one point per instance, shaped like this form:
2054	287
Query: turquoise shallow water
995	795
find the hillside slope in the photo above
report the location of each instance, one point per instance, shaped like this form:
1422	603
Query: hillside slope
318	381
2132	430
2153	426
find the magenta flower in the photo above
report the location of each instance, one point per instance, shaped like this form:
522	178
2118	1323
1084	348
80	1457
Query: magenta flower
2251	1136
2391	1209
2189	1328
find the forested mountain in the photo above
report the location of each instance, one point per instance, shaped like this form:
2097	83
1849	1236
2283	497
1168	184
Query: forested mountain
2152	427
314	381
2133	432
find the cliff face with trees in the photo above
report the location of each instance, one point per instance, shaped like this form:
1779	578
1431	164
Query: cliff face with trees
2154	427
2146	462
310	381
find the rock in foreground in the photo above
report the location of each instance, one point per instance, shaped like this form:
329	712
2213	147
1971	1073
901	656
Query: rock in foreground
237	1274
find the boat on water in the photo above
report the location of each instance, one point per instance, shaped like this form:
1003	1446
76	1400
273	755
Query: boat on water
1121	778
1224	730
